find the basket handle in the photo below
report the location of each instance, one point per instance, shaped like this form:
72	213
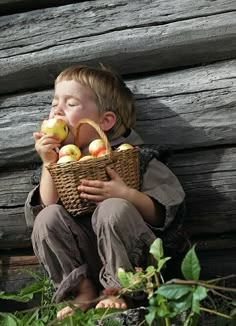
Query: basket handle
100	132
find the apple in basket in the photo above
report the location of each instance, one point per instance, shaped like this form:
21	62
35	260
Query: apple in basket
124	147
86	158
71	151
66	158
103	153
96	146
56	127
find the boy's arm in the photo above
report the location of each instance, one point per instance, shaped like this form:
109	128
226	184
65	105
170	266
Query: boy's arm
164	189
35	200
45	145
152	212
47	189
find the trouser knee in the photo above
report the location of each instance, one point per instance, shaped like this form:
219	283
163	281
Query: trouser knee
113	212
48	219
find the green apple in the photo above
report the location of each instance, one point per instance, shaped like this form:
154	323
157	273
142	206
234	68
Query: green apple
56	127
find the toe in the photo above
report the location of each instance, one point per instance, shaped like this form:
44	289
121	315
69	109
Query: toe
64	312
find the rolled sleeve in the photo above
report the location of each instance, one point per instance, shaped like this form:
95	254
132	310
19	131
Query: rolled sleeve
32	206
162	185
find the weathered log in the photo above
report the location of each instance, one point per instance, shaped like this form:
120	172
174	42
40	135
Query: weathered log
8	7
208	177
133	38
14	188
183	109
13	269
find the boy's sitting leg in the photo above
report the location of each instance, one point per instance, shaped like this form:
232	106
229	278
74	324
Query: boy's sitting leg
84	300
124	241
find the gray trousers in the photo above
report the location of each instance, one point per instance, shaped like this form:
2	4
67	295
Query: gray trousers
94	246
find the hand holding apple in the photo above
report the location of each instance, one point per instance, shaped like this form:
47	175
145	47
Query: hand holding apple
56	127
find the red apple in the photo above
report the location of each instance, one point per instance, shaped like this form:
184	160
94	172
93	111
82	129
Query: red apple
66	158
103	153
96	146
56	127
123	147
70	150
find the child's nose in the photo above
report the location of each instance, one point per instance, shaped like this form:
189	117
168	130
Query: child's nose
59	109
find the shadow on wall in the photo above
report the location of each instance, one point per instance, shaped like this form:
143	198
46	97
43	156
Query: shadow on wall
201	161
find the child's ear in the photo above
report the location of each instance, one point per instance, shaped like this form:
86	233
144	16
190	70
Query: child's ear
108	120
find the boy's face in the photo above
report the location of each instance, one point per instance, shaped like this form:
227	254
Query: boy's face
72	101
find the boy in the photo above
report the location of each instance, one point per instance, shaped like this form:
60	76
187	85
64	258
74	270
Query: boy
82	254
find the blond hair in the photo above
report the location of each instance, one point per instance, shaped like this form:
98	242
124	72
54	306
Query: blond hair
110	91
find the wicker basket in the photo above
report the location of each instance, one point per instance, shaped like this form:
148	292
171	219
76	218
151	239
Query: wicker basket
67	176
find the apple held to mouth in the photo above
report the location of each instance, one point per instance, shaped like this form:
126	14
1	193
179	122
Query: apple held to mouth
56	127
124	147
70	150
96	146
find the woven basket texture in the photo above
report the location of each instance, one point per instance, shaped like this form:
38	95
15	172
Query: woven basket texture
67	176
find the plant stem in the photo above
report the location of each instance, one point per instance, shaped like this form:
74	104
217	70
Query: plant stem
221	278
206	285
215	313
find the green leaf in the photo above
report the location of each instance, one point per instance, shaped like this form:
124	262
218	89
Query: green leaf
9	320
162	310
16	297
150	269
195	306
200	293
190	266
174	291
123	277
183	304
151	315
156	249
162	262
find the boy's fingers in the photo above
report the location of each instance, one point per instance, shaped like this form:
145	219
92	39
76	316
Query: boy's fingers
37	135
112	173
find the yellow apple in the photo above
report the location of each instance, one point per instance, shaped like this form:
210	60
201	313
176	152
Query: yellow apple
56	127
70	150
123	147
96	146
66	158
86	158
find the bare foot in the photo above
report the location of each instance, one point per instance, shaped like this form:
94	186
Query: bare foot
86	294
112	302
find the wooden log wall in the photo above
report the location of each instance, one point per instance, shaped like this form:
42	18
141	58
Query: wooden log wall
178	57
